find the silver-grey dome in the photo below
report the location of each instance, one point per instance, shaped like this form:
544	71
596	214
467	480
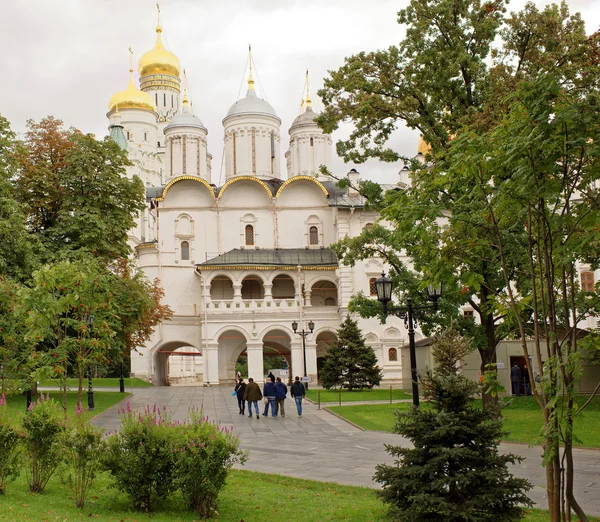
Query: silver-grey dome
185	119
306	118
251	104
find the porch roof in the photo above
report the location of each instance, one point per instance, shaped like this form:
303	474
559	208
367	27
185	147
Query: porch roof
272	259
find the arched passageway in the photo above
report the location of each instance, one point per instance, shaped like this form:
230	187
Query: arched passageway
177	362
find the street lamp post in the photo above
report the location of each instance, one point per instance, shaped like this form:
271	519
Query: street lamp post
88	319
121	381
411	315
303	334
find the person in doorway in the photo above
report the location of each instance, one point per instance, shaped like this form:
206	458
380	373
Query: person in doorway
269	392
271	377
280	396
252	395
516	376
240	389
526	381
298	392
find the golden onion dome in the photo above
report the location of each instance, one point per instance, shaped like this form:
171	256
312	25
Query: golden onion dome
424	147
131	98
159	60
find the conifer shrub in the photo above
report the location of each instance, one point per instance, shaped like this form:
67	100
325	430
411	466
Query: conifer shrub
205	452
43	425
454	472
9	448
82	447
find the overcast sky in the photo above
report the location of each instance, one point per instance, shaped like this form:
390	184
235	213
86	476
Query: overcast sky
67	57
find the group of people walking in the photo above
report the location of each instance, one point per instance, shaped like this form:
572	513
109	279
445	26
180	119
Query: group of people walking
273	394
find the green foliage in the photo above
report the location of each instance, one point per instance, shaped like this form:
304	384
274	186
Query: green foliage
42	427
82	448
349	362
140	456
455	471
205	452
9	444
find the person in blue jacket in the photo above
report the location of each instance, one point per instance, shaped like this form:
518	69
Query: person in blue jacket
280	396
269	394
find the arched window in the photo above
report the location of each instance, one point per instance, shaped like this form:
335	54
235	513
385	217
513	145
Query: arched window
249	234
392	354
313	236
372	287
312	142
587	281
185	251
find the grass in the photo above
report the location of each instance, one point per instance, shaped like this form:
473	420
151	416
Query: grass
377	394
248	496
102	401
522	419
101	382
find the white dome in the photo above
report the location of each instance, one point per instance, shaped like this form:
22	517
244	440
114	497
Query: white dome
251	104
306	118
185	119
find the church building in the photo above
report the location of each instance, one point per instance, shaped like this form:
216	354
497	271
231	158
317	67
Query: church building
243	261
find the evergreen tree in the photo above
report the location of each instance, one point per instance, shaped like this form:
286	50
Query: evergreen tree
455	472
350	363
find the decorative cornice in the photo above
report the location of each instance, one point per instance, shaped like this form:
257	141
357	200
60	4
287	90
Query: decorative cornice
186	178
302	178
247	178
315	268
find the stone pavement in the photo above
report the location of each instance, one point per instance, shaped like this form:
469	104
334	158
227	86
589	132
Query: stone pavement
320	446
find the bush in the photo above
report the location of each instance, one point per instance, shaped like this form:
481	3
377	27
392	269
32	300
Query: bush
9	444
42	427
83	447
140	456
204	453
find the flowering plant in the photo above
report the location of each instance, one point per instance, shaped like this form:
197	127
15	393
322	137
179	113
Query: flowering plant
9	444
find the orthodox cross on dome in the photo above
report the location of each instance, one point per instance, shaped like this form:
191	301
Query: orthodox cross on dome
158	10
306	101
250	77
185	96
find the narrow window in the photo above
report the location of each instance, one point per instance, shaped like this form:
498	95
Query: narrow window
312	142
392	354
165	99
156	98
468	313
253	152
313	236
158	143
234	156
185	251
587	281
249	235
372	287
172	102
145	136
127	134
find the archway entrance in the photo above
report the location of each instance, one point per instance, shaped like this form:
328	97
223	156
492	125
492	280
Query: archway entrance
324	340
277	354
177	362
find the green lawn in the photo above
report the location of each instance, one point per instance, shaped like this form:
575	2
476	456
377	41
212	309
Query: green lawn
102	382
522	419
376	394
102	401
247	496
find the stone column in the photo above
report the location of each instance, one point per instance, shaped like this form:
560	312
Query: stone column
297	368
211	363
307	297
237	292
268	292
254	350
311	359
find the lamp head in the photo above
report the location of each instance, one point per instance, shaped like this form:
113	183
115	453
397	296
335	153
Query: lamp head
295	326
311	326
434	292
383	287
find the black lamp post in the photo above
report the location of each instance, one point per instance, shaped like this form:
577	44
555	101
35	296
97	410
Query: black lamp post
303	334
88	319
411	315
121	381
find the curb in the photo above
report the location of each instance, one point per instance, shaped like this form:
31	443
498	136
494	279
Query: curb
344	419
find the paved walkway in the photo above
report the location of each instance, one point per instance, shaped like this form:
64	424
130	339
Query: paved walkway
320	446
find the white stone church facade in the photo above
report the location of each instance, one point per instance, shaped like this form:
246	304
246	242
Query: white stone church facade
242	261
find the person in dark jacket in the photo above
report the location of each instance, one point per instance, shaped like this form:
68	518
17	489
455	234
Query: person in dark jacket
252	395
271	377
280	396
240	389
269	393
298	391
516	376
